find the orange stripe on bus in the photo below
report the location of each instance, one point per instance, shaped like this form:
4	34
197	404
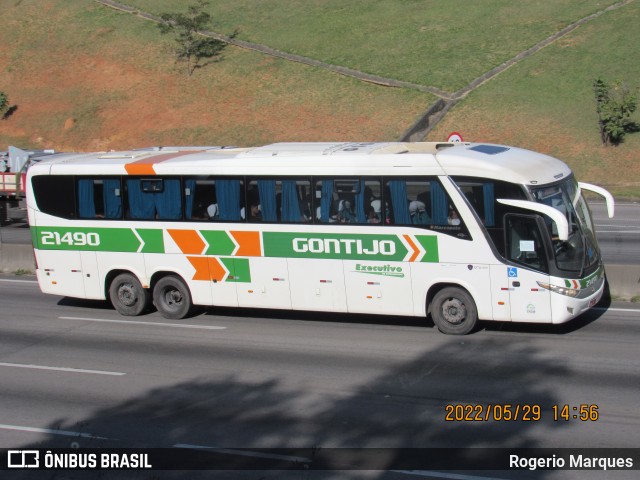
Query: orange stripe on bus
416	250
188	240
145	166
207	268
249	243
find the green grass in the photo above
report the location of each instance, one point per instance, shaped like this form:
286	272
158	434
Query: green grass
114	74
546	103
443	43
22	271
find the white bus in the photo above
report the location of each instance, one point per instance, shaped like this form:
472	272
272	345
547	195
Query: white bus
459	232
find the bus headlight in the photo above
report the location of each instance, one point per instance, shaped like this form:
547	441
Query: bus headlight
569	292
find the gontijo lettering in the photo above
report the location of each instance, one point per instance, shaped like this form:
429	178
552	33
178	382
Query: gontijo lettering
344	245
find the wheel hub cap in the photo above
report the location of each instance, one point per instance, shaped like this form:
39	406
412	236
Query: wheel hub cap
127	295
454	311
173	297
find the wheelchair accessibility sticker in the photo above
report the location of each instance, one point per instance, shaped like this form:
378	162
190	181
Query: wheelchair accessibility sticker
512	272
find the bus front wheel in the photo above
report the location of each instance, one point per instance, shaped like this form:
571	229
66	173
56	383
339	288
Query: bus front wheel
127	295
172	298
454	311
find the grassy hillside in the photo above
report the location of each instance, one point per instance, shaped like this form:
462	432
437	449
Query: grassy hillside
546	103
443	43
85	77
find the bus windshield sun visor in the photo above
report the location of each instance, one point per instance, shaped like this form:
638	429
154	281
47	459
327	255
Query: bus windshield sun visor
558	218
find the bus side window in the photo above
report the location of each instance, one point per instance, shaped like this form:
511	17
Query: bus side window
417	202
398	199
200	199
278	200
229	195
371	200
151	199
355	200
423	203
524	241
326	211
54	195
99	198
88	207
294	207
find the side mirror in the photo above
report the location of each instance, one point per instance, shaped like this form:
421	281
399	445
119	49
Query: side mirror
603	193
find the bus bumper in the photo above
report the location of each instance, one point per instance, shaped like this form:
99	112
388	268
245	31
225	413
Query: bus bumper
567	308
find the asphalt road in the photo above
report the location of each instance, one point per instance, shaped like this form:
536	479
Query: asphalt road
619	237
75	373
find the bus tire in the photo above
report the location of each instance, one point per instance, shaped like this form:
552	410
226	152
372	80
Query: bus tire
453	311
127	295
172	298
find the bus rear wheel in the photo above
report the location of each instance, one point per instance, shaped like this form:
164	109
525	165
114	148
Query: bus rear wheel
127	295
172	298
453	311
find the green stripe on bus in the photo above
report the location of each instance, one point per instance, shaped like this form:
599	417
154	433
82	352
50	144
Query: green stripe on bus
153	240
430	244
343	246
88	239
239	270
219	242
275	244
588	281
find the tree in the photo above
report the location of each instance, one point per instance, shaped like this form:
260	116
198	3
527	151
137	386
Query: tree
4	102
192	46
5	110
614	108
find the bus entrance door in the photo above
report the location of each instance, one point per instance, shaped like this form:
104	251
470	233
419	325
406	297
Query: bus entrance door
529	301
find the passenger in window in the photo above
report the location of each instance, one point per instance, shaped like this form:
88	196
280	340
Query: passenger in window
453	218
376	205
255	215
372	216
213	212
346	214
418	213
305	209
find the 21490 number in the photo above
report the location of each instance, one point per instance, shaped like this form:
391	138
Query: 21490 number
70	238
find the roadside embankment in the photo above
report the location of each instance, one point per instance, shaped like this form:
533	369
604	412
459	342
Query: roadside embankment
624	280
16	258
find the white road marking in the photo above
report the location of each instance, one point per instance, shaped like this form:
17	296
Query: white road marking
153	324
603	309
244	453
60	369
9	280
65	433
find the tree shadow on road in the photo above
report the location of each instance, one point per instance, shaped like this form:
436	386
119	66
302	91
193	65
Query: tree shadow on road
404	407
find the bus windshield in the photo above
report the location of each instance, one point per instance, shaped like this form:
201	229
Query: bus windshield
580	251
